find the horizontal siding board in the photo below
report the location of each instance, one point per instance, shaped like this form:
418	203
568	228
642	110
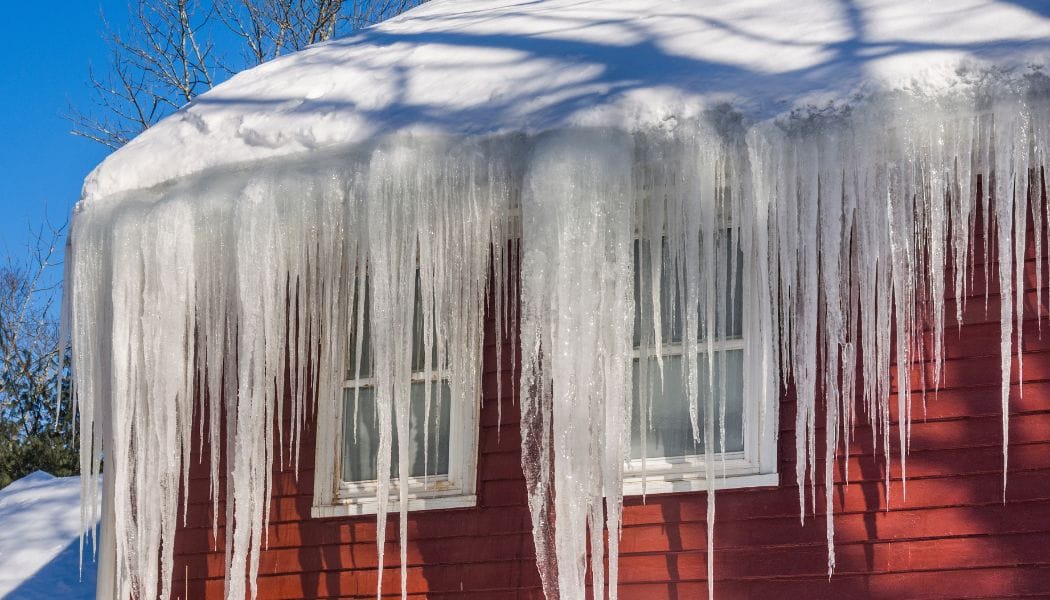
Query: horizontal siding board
1013	582
941	554
902	525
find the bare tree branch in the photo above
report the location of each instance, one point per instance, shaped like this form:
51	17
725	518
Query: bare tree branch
36	432
29	347
166	55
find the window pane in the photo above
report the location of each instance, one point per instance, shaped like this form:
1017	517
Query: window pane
671	297
735	303
670	432
418	359
359	456
365	333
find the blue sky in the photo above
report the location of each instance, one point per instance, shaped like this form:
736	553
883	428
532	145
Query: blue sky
44	57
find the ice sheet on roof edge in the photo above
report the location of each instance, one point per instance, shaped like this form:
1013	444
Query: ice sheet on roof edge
848	223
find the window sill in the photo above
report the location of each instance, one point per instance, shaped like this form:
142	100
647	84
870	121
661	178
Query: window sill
369	506
677	483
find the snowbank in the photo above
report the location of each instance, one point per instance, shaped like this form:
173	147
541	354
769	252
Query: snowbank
39	533
483	67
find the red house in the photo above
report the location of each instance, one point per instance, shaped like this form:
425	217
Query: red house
628	289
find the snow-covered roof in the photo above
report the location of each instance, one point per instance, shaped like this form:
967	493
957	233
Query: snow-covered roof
39	532
467	67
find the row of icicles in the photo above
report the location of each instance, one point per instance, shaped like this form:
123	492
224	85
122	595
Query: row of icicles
841	233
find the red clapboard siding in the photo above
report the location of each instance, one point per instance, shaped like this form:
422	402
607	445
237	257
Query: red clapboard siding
945	533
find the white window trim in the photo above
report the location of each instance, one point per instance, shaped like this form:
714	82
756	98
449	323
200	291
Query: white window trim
334	497
434	492
755	466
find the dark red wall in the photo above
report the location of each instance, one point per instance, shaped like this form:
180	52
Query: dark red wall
952	537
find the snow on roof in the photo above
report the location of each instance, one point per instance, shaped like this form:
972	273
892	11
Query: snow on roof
39	533
465	67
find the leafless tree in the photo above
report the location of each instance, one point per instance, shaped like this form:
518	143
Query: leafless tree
29	292
35	431
173	50
270	27
161	61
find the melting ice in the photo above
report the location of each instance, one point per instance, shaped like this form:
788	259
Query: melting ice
204	301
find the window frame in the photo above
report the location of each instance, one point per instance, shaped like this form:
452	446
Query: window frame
334	497
754	466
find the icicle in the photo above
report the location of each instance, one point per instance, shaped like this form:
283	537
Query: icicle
840	228
576	344
228	289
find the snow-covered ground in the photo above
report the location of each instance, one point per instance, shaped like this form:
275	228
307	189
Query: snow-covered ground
39	547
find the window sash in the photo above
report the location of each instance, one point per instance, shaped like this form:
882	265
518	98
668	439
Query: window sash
359	358
361	439
334	497
669	438
672	328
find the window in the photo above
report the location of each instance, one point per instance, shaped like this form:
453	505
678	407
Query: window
443	444
662	442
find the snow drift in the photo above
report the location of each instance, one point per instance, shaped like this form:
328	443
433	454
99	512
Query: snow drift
841	152
39	556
